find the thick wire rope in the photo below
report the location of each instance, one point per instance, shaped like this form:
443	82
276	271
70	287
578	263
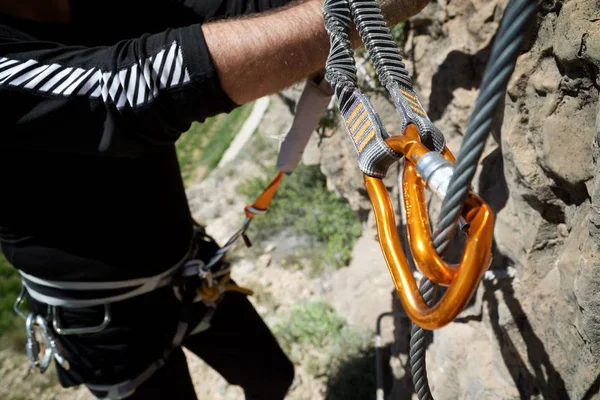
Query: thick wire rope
341	73
493	88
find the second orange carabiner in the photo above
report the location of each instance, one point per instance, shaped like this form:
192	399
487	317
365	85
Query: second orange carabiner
462	280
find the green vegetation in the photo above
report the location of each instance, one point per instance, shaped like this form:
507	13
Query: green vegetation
399	33
314	335
304	206
200	149
327	124
11	326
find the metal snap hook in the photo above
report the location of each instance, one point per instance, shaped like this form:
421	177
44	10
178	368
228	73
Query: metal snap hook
32	346
52	348
462	280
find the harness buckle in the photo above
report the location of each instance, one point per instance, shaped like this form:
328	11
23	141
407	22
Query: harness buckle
462	280
57	324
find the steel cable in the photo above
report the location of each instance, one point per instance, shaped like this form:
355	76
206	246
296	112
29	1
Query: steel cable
341	73
500	67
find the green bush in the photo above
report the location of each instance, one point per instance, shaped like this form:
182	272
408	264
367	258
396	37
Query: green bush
204	144
303	205
313	334
400	32
314	323
11	326
228	128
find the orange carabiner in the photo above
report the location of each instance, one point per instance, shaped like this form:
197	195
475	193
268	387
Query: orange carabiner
462	280
417	222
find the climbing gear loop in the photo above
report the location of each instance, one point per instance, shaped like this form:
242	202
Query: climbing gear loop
56	321
17	305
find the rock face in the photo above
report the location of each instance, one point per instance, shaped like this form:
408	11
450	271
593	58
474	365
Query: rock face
537	336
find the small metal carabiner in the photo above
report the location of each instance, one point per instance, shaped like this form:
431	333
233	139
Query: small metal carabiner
462	280
52	348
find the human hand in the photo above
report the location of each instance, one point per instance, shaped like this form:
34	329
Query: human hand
395	11
267	52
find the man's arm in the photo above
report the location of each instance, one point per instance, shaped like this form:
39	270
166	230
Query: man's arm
119	100
262	54
126	98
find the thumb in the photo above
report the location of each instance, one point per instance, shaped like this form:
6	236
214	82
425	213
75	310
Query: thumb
395	11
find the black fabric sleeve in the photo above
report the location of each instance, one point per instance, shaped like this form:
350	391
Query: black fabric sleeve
117	100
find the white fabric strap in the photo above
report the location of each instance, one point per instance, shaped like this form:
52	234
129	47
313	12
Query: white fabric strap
309	110
127	388
138	287
106	285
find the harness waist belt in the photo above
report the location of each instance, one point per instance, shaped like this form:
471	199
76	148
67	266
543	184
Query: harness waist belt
89	294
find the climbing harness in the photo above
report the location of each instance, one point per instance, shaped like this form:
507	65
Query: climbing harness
57	294
427	162
214	275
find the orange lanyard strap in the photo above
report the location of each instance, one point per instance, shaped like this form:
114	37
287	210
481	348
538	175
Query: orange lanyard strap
260	206
309	109
262	202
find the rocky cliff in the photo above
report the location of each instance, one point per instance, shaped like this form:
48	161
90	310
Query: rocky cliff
537	335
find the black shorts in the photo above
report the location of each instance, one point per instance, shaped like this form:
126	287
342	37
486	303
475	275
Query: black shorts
238	345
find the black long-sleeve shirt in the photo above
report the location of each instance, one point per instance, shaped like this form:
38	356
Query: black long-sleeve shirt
90	186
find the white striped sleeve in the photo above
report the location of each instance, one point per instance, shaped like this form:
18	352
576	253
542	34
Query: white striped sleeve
132	86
